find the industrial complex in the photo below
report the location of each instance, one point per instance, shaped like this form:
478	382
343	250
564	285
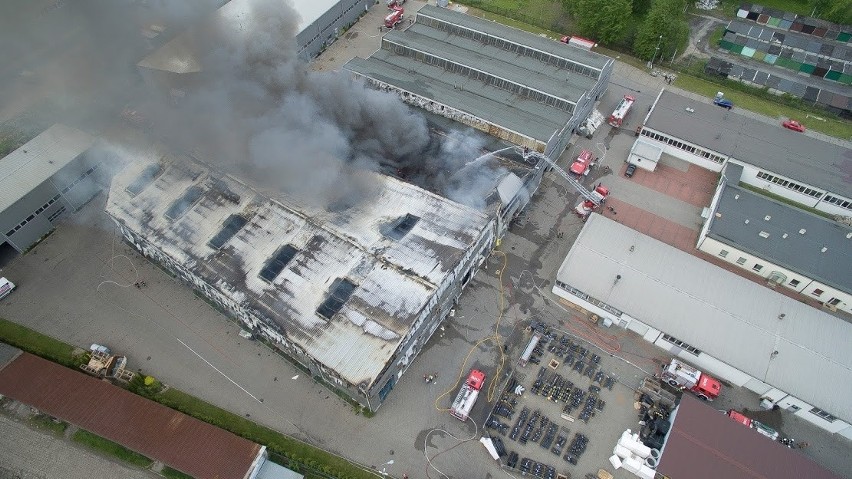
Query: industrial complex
529	90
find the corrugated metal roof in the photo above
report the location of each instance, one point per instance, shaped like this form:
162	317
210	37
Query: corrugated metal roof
718	312
396	278
742	219
800	157
32	164
585	57
704	444
173	438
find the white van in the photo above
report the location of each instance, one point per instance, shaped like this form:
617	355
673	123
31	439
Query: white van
6	287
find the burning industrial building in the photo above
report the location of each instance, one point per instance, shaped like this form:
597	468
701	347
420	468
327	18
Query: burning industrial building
327	216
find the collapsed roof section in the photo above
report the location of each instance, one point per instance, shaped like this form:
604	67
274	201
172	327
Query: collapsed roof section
345	286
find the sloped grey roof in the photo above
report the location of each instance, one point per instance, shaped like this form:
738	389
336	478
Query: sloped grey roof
39	159
799	252
771	147
718	312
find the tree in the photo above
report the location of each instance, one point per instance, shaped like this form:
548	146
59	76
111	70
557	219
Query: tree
603	20
666	26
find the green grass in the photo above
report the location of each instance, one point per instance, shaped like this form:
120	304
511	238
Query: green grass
833	127
39	344
170	473
110	448
547	15
298	454
788	201
49	424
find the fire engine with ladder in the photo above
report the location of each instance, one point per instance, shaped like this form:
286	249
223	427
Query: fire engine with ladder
591	199
468	394
683	376
621	111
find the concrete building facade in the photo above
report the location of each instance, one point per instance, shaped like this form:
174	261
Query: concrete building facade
793	355
351	295
528	90
41	181
789	247
797	167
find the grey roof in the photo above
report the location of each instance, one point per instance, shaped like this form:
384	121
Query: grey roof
39	159
497	106
798	252
517	69
771	147
726	316
396	277
590	59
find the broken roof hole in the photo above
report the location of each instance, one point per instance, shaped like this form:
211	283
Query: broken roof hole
148	175
232	225
185	202
404	226
341	290
278	262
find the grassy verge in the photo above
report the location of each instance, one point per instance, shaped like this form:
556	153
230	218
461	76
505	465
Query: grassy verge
46	423
836	128
299	456
108	447
787	201
170	473
39	344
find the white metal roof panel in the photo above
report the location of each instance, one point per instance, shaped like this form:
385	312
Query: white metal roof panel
721	313
39	159
395	278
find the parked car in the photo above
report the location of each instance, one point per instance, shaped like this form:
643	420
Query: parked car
723	102
631	168
794	125
6	287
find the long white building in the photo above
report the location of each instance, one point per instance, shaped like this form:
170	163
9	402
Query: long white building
794	355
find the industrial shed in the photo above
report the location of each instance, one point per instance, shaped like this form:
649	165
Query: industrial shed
352	294
41	181
733	328
796	166
529	90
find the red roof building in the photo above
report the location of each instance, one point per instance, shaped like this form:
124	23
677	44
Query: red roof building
706	444
162	434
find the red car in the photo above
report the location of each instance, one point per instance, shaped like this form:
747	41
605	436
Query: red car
793	125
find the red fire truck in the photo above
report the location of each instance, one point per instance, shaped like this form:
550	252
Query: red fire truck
621	111
684	376
581	165
395	17
468	394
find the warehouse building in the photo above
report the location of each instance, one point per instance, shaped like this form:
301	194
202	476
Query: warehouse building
529	90
798	167
41	181
792	355
788	246
352	294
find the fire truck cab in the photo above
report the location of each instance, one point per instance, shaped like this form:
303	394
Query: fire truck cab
681	375
395	17
583	163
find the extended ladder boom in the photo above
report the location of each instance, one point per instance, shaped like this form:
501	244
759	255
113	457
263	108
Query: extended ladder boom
585	193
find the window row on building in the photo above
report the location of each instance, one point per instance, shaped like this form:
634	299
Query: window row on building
790	185
32	216
682	345
586	297
78	180
838	201
510	46
482	76
684	146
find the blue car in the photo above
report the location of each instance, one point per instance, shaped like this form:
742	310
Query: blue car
724	103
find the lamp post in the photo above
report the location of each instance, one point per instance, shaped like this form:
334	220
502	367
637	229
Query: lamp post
657	49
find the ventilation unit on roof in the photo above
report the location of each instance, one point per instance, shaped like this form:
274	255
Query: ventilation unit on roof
767	218
341	290
763	234
802	231
746	221
824	249
848	235
230	227
784	235
277	263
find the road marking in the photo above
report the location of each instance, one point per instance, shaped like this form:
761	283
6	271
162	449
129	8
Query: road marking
218	371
